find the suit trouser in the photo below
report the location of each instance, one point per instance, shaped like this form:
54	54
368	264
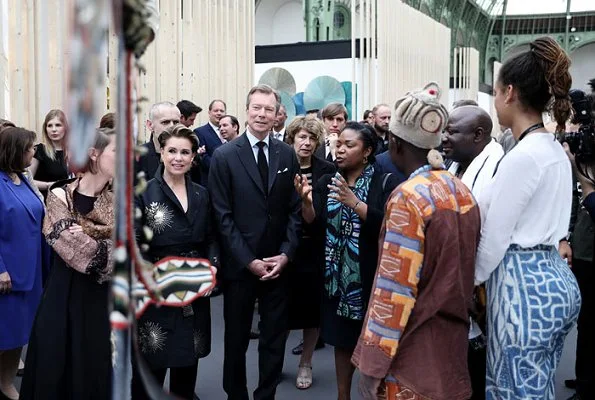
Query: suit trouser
238	308
585	339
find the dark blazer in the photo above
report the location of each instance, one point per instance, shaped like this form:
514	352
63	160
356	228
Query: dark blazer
148	162
321	167
384	164
321	152
370	229
208	138
254	222
20	235
312	244
190	232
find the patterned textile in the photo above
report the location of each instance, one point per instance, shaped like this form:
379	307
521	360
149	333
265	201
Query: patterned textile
402	254
533	302
391	389
417	321
342	276
89	251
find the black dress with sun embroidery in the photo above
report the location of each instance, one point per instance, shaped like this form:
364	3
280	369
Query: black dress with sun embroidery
176	336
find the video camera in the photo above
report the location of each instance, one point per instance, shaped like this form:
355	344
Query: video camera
582	142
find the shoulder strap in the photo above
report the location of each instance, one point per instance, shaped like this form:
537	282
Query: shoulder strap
385	179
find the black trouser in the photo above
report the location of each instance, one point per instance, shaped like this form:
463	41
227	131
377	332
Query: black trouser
182	381
585	350
238	309
476	360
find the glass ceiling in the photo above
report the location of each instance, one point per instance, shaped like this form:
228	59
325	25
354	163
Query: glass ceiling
516	7
535	7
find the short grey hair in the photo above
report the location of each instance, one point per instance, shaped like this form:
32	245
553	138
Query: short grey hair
157	106
266	89
377	106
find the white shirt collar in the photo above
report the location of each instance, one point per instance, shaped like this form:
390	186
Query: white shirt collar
253	139
215	127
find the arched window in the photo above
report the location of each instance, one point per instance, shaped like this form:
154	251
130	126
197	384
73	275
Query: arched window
341	22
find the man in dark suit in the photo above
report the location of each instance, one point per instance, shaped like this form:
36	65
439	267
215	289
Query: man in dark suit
334	116
208	134
278	131
161	116
382	114
189	110
258	215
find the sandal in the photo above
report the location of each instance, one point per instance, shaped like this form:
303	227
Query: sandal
304	377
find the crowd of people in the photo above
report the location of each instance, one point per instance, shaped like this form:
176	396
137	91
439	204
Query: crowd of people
431	258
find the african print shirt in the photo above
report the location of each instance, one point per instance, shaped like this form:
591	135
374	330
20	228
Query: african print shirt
417	322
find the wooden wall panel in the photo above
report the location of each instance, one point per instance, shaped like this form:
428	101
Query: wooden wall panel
465	73
413	50
202	51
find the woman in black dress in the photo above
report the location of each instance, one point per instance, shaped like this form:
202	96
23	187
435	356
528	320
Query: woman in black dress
69	353
49	162
305	134
347	209
178	212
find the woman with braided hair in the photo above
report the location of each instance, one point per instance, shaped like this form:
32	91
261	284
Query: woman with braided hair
533	298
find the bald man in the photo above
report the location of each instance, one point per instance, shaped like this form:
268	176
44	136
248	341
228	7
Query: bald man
468	142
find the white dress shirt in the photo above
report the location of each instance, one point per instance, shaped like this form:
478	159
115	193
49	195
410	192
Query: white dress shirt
279	135
253	140
528	202
481	170
216	129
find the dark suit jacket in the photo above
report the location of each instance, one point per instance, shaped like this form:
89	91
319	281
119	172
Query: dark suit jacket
208	138
321	152
384	164
310	253
254	222
181	231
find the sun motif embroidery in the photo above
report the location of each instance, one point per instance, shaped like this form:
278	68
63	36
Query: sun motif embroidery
159	217
152	338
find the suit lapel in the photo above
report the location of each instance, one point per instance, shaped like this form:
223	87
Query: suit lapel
246	156
216	137
273	162
8	184
193	201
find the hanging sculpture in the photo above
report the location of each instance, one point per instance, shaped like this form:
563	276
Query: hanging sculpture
135	282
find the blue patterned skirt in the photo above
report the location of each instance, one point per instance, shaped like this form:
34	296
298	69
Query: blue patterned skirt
533	302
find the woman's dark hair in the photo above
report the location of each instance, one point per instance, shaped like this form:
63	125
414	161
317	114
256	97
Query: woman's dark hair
539	75
234	121
366	135
179	131
108	121
14	143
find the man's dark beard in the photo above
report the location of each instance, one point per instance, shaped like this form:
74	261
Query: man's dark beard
380	131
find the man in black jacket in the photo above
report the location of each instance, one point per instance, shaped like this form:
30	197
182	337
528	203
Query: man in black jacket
582	237
258	215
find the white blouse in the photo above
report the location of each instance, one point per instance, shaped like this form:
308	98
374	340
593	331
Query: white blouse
528	202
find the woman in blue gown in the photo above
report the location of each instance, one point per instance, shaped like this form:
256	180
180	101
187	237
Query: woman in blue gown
21	216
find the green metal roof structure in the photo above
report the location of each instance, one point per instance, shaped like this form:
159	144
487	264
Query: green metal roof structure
493	27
